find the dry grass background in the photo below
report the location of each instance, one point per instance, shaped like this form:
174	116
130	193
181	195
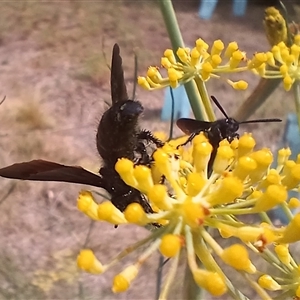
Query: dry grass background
56	80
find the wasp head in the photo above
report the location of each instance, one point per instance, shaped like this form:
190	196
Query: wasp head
128	111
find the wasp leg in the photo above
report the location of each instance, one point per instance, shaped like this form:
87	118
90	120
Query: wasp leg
147	135
190	138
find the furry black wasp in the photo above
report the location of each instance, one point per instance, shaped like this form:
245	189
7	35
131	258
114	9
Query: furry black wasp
215	131
118	135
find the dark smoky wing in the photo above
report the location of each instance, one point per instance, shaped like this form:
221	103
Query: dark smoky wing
189	126
42	170
117	82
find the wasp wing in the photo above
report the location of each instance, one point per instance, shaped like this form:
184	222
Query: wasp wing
42	170
117	82
189	126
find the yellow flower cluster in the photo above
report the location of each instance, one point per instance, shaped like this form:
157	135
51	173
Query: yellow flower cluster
281	62
188	204
198	63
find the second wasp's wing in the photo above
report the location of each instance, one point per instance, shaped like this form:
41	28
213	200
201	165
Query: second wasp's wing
42	170
189	126
117	82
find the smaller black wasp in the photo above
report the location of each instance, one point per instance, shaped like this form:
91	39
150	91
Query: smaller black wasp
215	131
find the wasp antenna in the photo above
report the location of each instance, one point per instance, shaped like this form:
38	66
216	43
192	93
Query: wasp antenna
172	114
135	74
214	99
261	121
2	100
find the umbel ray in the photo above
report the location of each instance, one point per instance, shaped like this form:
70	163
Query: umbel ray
118	135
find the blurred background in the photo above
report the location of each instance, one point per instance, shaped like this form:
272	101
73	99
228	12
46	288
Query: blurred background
54	72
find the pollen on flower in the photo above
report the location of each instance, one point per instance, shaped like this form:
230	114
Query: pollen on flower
170	245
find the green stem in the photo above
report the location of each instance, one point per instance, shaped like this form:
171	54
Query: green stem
210	115
171	23
296	89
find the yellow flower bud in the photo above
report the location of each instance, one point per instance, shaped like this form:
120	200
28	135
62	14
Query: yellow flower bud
227	190
268	283
283	155
288	82
144	83
283	254
291	233
238	85
87	204
193	212
195	183
195	55
292	175
210	281
244	167
263	158
237	257
235	59
232	47
217	47
201	155
154	74
124	167
165	63
246	144
294	203
274	195
109	213
201	45
223	158
206	70
123	280
159	196
182	55
143	177
87	261
215	61
135	214
272	177
170	245
169	54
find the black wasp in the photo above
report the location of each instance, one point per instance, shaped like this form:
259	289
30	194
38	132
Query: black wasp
118	135
215	131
